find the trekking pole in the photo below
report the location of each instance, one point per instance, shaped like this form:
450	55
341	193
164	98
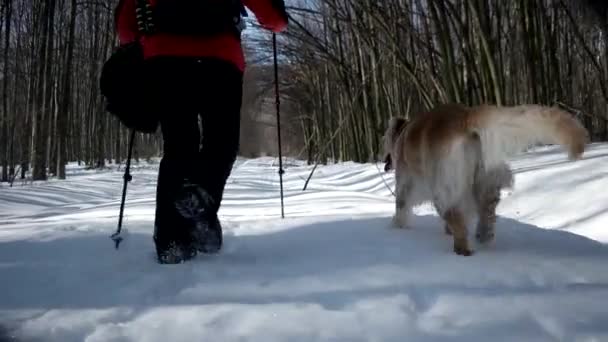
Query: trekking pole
127	178
278	103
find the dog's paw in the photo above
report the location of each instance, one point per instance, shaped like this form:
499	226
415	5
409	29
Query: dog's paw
461	247
399	222
464	251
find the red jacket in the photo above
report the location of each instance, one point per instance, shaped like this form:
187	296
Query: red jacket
226	46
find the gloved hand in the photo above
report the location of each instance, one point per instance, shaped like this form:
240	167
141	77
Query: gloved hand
279	5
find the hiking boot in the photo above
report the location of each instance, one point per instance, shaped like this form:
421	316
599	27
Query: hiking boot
207	235
195	205
176	253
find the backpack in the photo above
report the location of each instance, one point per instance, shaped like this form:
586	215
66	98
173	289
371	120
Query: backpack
123	85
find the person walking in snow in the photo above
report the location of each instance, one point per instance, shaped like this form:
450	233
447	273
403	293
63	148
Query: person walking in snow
194	69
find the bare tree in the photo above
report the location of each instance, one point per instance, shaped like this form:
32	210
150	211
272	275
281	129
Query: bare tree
359	62
346	67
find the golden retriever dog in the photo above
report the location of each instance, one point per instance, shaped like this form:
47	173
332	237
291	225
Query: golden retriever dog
456	157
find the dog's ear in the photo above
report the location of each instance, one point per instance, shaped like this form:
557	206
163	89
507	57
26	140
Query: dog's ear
388	163
396	125
396	120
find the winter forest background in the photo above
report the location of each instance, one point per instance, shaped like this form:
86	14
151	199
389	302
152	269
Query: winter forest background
346	67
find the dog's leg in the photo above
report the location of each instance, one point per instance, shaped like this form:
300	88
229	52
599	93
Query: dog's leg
454	218
447	229
440	209
487	197
487	201
403	207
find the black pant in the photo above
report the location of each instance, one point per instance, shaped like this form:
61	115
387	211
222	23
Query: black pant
187	90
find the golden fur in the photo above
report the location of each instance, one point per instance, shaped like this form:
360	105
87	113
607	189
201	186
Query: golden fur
456	157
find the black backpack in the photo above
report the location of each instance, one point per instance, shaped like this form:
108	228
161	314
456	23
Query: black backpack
123	85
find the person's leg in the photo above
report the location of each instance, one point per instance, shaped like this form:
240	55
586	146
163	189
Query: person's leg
221	116
171	230
220	107
170	87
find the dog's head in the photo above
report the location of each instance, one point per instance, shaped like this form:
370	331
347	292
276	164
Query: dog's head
395	127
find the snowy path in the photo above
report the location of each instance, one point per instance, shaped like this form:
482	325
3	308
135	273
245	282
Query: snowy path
333	270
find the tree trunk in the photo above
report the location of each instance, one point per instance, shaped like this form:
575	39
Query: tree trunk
6	117
65	106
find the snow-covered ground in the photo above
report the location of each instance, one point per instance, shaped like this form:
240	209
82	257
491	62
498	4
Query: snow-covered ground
333	270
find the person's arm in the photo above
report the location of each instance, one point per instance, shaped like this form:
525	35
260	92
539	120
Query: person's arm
270	14
126	22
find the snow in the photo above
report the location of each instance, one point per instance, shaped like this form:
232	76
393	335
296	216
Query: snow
333	270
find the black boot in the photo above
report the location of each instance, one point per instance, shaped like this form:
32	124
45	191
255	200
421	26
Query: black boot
198	208
175	253
172	238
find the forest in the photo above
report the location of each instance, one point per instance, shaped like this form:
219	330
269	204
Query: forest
345	68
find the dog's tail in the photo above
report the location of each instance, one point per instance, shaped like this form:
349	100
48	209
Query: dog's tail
505	131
